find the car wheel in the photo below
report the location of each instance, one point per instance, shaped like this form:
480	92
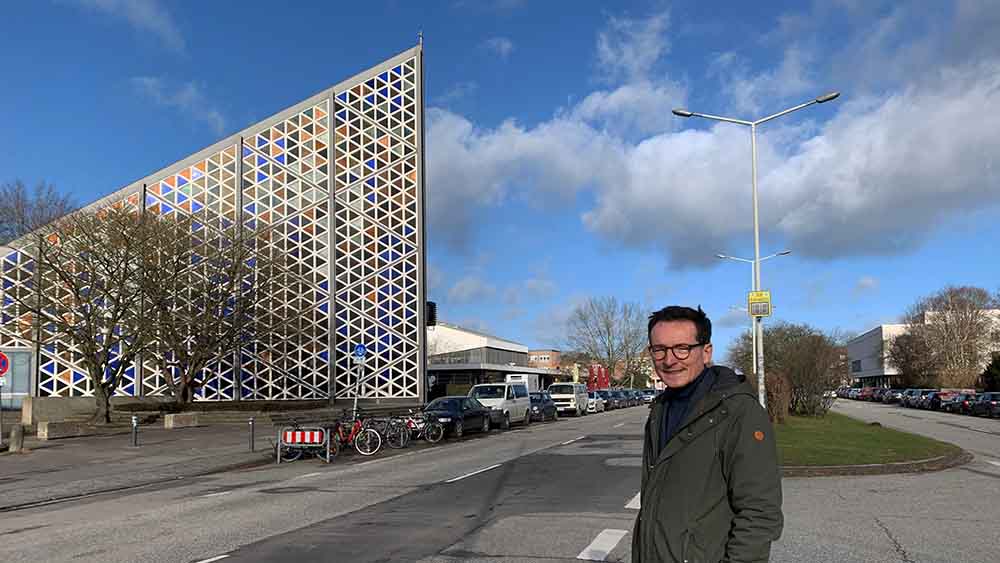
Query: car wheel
505	423
459	429
486	424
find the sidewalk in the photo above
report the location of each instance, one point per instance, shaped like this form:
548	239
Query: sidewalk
73	467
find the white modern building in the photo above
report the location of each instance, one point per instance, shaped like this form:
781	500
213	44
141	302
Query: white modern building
459	357
868	356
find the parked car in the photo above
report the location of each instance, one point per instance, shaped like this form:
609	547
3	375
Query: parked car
595	403
865	394
648	395
877	394
986	404
610	402
511	399
922	400
570	398
935	400
892	396
623	401
460	414
543	407
960	403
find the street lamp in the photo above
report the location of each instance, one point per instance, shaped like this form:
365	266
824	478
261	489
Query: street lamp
753	328
756	229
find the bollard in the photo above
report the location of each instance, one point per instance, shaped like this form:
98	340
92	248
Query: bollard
251	434
135	431
16	439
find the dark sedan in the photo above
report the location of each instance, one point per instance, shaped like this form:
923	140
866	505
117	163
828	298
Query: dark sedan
986	404
460	414
959	404
543	407
610	401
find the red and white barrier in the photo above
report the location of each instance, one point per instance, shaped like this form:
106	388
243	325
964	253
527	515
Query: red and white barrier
303	437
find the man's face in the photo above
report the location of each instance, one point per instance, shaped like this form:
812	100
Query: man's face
674	372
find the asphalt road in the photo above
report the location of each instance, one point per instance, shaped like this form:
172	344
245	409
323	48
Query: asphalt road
551	492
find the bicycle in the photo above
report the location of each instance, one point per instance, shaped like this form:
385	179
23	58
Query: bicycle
422	426
354	431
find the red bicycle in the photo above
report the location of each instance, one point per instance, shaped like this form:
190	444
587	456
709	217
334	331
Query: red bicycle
354	430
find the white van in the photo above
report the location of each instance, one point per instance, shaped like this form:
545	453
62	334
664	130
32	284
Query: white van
529	379
510	398
569	397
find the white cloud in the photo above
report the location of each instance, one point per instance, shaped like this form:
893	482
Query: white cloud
458	92
188	97
866	284
144	16
876	178
629	48
752	94
471	288
734	318
435	278
635	109
499	45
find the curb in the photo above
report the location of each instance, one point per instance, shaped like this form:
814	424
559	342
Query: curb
940	463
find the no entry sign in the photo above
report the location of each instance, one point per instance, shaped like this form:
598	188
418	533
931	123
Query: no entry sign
4	363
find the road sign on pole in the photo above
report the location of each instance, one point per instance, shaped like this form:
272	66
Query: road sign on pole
360	351
4	363
759	303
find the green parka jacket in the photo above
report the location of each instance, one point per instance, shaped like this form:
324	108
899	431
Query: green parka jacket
714	493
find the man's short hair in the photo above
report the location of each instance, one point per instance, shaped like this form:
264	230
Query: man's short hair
678	313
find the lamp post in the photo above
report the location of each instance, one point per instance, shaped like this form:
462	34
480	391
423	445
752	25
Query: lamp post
759	361
753	327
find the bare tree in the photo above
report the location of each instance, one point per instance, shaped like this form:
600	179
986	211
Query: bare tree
959	328
88	294
202	293
24	210
910	354
611	332
805	362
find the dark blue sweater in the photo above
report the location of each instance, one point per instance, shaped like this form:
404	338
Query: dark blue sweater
678	403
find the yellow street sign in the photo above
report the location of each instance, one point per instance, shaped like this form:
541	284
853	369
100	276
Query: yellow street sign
759	303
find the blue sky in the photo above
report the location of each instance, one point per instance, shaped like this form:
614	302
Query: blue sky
555	169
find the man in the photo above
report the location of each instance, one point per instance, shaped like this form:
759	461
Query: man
711	487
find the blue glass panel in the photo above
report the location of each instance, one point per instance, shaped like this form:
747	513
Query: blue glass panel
261	141
370	163
325	285
246	151
181	181
280	158
196	207
49	368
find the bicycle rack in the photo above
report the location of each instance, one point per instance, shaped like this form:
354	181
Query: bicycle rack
305	438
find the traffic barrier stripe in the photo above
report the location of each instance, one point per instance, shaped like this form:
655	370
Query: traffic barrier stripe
303	437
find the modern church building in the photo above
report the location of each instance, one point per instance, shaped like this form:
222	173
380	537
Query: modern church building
336	182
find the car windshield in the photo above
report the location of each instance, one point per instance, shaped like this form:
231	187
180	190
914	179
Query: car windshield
489	391
561	389
443	405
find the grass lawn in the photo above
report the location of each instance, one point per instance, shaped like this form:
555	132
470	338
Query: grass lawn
840	440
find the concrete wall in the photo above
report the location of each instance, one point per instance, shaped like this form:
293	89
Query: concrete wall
57	409
867	355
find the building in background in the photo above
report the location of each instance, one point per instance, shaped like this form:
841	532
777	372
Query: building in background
336	182
458	358
868	356
549	359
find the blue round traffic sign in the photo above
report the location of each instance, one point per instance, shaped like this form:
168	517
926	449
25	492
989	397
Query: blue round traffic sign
360	350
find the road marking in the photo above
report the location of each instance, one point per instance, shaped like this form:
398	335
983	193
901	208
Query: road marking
602	545
220	557
634	503
485	469
619	425
307	475
996	463
216	494
568	442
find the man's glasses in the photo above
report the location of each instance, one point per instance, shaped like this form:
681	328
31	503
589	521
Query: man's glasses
681	351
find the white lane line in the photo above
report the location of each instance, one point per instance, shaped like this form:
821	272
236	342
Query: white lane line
307	475
220	557
635	503
619	425
483	470
216	494
568	442
996	463
602	545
